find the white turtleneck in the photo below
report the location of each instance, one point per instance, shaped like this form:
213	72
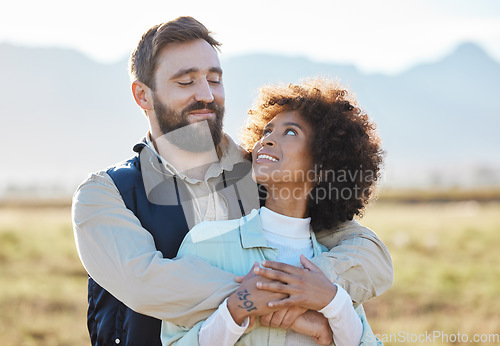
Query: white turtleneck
291	237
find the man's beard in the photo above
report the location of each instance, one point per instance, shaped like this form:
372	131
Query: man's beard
185	135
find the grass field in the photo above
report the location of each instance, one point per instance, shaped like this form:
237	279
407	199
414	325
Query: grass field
447	272
446	260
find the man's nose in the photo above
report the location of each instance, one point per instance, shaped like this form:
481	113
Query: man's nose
204	92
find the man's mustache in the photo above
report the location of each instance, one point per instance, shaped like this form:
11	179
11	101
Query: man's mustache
202	105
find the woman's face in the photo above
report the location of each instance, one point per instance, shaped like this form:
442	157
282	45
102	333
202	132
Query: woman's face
283	155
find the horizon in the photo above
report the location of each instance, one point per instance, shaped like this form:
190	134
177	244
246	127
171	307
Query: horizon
476	169
223	57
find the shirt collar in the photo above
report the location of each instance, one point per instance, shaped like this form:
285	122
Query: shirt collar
230	154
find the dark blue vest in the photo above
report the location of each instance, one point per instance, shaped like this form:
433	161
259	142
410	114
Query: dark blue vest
109	321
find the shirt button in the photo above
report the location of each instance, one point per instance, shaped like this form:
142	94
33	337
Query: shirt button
117	341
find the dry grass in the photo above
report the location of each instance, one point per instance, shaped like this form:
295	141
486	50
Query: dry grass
447	273
43	291
447	269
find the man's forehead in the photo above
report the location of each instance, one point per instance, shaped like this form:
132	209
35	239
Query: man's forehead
193	56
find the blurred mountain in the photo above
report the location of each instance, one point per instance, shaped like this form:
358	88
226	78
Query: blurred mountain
64	115
438	121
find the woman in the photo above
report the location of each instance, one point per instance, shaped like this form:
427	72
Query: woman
316	157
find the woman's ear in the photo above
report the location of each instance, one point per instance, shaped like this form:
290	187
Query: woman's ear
142	95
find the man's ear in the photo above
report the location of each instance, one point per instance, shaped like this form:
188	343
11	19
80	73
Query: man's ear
142	95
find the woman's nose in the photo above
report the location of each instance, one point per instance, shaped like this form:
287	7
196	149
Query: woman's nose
268	141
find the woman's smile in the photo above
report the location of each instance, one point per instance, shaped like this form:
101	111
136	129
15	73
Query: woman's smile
263	156
284	150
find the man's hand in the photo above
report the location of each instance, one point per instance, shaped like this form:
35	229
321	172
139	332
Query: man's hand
314	324
248	300
282	318
306	287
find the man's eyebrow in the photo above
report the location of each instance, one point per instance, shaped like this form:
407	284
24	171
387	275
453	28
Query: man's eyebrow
187	71
216	69
184	72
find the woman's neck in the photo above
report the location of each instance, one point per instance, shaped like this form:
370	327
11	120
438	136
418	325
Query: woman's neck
291	206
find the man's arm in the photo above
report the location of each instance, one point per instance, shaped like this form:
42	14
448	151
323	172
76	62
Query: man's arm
358	261
120	255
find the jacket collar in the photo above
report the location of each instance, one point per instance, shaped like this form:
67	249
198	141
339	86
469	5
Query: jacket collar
251	232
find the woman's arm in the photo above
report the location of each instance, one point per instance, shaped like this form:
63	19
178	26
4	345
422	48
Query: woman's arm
346	325
220	328
229	322
309	288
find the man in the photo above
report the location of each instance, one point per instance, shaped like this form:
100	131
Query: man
130	219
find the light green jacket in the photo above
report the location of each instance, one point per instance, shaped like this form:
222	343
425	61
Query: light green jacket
234	246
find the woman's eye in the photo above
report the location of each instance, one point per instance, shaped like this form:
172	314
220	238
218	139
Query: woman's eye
290	132
214	81
185	83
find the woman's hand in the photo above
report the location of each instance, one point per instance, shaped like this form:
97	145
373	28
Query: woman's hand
306	287
248	300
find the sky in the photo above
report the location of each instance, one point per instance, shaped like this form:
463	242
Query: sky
377	36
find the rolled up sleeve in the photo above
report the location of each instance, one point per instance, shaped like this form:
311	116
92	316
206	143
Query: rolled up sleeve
120	255
357	260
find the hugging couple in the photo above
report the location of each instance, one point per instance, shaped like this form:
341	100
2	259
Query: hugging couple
196	240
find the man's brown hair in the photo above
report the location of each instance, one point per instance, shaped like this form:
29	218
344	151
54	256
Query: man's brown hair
145	57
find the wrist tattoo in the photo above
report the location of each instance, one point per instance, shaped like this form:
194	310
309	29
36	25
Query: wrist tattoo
248	305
